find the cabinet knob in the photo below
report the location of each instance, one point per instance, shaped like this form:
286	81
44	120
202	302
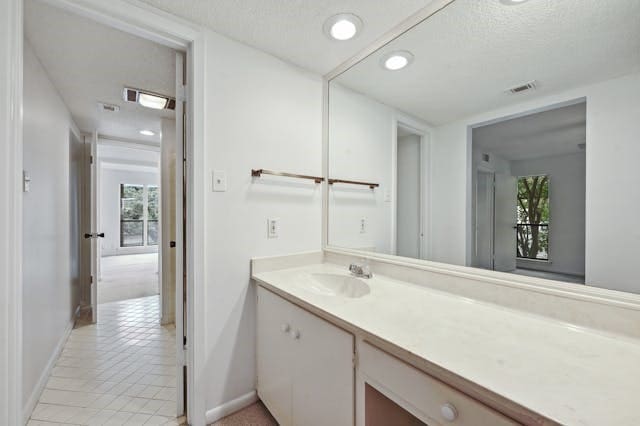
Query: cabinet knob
285	328
449	412
295	335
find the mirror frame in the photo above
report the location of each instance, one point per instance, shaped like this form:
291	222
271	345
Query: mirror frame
572	290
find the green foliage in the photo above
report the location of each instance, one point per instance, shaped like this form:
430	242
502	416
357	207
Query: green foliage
152	203
132	203
533	210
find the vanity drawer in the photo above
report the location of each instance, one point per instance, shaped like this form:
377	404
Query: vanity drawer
426	398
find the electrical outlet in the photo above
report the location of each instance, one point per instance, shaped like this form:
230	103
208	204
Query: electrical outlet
363	225
273	228
219	181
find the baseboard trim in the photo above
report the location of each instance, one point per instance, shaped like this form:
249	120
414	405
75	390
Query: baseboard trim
44	377
231	407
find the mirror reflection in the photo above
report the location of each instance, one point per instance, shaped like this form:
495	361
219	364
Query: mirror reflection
498	135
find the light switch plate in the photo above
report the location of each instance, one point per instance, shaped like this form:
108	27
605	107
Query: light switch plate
26	181
219	178
273	227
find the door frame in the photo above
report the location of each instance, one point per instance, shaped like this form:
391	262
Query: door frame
424	132
150	23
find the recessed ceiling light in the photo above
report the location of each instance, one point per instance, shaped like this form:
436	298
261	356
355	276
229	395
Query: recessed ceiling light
343	26
395	61
512	2
147	132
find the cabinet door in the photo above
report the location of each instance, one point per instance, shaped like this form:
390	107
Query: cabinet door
274	357
323	382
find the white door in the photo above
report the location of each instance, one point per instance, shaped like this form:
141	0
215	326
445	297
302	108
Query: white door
93	234
275	355
505	215
180	231
408	211
483	256
323	380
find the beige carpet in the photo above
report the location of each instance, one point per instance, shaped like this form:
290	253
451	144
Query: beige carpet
128	277
254	415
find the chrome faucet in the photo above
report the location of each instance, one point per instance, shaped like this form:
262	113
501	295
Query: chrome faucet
360	271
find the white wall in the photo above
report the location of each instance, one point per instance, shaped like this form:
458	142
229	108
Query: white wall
48	295
361	134
613	198
567	177
612	129
110	180
261	113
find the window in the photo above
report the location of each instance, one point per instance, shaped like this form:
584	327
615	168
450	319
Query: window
152	215
533	218
138	215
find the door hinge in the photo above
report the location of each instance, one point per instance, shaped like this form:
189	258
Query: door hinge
181	95
354	360
91	279
184	341
91	159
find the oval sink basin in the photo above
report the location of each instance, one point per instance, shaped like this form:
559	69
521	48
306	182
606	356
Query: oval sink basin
338	285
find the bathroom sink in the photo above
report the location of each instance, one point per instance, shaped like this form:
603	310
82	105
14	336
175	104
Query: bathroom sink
337	285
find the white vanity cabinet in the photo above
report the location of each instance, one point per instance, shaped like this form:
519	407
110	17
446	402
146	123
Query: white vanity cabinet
305	365
392	392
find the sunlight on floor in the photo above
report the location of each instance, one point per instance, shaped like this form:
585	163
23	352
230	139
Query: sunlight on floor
128	277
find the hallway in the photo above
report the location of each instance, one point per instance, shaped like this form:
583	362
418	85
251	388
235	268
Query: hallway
120	371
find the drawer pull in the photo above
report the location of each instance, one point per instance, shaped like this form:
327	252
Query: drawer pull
449	412
285	328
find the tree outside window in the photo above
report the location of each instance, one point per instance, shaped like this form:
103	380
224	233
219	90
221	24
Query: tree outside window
139	212
533	218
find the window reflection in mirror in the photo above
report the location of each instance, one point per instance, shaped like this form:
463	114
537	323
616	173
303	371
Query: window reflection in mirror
508	142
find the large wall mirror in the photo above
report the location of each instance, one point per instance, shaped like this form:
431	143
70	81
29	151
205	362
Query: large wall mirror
496	134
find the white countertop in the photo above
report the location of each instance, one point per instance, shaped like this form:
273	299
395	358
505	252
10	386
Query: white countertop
571	375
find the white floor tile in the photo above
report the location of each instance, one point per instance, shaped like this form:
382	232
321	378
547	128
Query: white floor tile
119	371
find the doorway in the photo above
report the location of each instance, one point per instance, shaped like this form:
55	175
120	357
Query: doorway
122	114
409	220
529	186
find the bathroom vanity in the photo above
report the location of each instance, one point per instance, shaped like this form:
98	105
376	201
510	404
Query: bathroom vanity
399	349
478	161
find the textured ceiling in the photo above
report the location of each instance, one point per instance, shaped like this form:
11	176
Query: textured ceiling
292	29
545	134
89	62
469	53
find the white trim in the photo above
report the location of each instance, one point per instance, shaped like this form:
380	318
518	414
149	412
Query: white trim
221	411
106	140
11	51
151	23
422	130
44	376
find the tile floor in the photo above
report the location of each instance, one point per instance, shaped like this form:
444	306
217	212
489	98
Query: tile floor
120	371
127	277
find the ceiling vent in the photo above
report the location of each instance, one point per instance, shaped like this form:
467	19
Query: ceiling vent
149	99
531	85
108	107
